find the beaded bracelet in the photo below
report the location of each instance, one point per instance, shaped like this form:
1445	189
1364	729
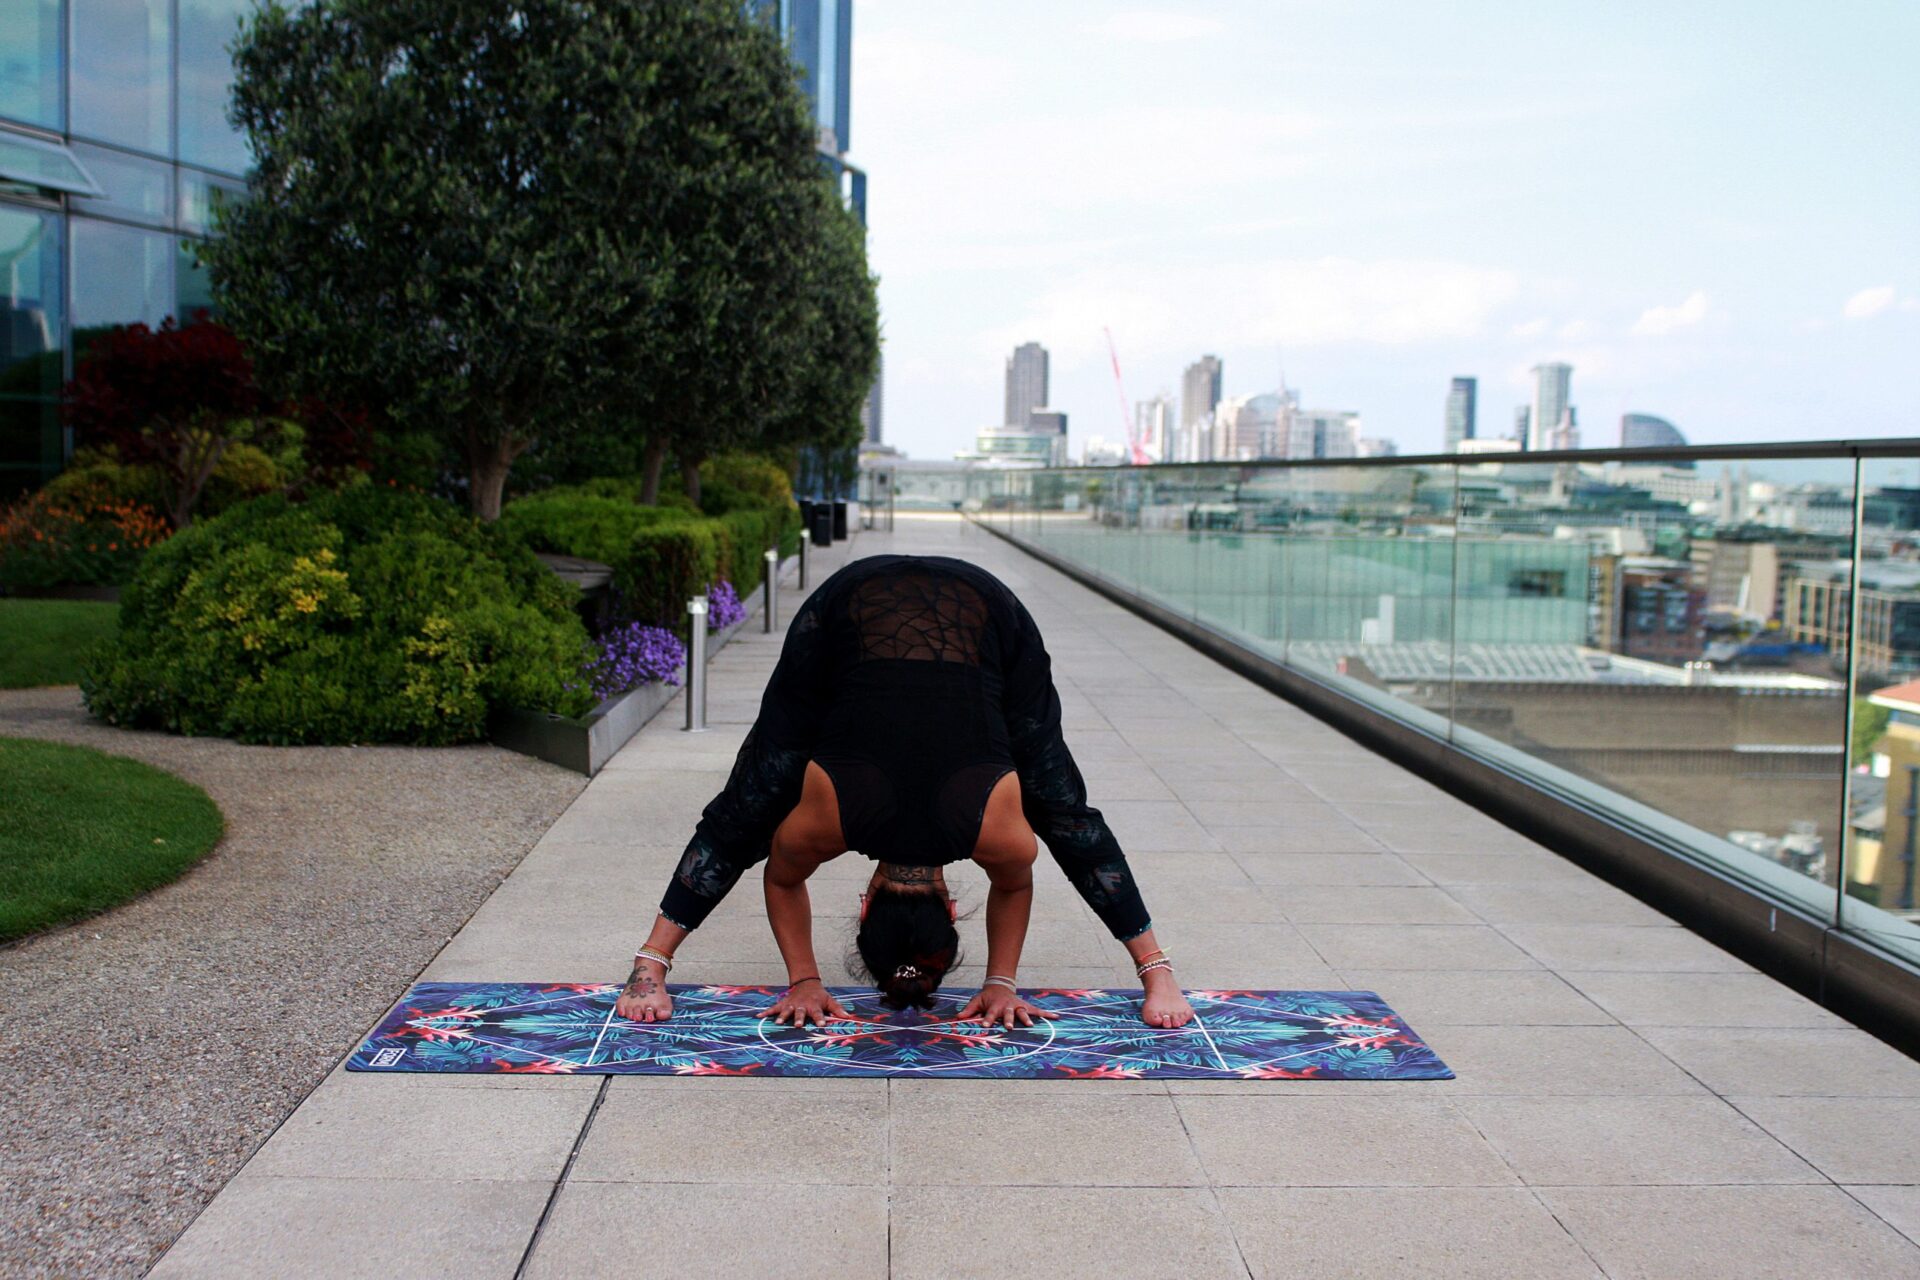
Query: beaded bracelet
994	980
1151	965
654	953
1153	959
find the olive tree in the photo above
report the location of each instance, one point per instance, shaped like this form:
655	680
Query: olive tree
516	221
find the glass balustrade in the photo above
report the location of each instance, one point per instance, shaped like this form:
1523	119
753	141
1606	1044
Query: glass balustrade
1665	638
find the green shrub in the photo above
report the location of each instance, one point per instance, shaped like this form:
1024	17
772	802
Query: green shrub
762	482
368	615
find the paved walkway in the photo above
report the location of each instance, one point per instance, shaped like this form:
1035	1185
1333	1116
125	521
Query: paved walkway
147	1052
1631	1100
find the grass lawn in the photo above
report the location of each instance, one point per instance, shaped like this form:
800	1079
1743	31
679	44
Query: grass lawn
45	638
85	831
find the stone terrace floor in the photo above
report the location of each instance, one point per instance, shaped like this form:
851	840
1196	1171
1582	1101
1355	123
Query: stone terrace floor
1631	1100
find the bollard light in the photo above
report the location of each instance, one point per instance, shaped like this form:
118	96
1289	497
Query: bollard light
771	587
697	665
803	564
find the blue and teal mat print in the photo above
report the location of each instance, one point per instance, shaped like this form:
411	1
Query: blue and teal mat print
565	1028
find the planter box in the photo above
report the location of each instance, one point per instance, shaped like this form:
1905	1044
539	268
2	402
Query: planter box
585	743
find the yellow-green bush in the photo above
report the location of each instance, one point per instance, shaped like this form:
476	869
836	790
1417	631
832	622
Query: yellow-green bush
367	615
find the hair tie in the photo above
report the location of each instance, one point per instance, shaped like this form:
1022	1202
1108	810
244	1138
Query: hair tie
905	972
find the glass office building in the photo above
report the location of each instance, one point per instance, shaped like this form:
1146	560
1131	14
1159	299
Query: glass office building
820	34
114	146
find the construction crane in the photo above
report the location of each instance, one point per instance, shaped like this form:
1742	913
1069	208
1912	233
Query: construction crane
1136	448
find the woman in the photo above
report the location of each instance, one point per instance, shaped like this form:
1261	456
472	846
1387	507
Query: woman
912	717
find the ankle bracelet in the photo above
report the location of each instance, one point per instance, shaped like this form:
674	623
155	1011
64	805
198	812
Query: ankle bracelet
654	953
1143	970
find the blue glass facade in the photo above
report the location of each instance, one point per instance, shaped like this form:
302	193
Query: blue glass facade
114	146
820	33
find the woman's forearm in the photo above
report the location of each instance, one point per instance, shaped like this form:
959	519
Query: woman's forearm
790	912
1008	914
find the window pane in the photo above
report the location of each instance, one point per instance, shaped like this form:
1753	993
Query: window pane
30	292
30	447
30	61
121	275
42	166
29	348
194	290
207	28
120	90
200	195
137	189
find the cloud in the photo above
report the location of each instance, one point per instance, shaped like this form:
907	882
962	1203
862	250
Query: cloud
1156	26
1868	303
1530	328
1660	321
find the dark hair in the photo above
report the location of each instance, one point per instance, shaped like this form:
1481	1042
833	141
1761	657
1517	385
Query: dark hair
905	946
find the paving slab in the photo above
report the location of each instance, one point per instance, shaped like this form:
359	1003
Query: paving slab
1023	1233
1732	1233
782	1232
1632	1141
1446	1233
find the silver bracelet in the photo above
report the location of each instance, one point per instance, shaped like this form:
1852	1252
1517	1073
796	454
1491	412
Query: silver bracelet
656	955
993	980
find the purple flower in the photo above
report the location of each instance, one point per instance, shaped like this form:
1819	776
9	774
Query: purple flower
723	606
634	655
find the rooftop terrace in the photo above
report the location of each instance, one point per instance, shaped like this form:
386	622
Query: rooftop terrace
1630	1100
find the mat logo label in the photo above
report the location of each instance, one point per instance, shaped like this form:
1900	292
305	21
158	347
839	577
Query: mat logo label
387	1057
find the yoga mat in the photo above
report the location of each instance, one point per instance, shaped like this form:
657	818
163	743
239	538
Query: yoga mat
513	1027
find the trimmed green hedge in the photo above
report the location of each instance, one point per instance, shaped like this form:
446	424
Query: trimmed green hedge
367	615
660	555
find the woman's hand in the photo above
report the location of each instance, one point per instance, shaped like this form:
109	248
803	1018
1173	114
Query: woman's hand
645	998
1164	1004
807	998
1002	1004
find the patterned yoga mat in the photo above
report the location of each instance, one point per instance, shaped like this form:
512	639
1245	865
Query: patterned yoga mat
715	1031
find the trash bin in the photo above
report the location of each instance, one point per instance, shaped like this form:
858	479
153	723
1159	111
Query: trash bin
821	524
840	520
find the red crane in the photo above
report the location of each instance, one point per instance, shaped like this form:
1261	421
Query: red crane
1136	449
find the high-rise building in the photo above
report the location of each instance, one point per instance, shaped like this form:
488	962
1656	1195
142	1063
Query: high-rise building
1051	422
1460	412
819	34
1153	426
1552	384
1644	431
1026	382
114	148
1199	397
870	411
1323	433
1567	434
1522	422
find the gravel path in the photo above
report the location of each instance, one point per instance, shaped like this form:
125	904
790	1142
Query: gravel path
147	1052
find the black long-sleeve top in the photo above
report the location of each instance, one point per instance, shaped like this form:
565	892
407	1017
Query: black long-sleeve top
905	607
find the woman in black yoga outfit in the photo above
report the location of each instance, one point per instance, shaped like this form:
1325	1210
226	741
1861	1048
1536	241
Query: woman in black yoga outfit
912	717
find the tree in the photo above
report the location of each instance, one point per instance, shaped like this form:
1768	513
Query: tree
510	222
840	339
173	398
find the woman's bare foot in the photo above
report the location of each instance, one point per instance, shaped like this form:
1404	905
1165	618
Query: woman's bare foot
1165	1005
645	998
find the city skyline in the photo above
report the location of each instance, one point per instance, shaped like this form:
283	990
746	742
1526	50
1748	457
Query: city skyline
1698	223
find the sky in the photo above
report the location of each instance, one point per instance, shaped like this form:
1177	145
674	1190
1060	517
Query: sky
1710	208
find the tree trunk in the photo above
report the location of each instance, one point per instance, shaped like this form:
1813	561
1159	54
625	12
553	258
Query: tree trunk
690	476
488	462
652	461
